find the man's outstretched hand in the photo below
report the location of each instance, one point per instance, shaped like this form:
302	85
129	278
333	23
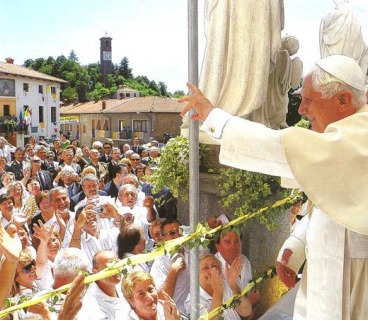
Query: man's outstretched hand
197	101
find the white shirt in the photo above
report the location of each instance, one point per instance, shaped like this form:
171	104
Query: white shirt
107	240
246	272
205	302
69	230
96	305
6	152
160	270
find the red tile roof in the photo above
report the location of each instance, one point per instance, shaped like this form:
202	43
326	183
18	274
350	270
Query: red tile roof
132	105
15	70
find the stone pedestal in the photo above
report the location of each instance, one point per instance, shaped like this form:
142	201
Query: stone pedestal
260	245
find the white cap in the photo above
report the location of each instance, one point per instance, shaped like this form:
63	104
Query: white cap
345	69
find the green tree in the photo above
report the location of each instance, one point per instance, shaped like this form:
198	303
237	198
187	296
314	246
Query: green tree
69	95
163	89
124	69
152	85
73	56
178	94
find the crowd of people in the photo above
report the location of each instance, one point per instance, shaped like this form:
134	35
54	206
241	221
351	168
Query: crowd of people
67	209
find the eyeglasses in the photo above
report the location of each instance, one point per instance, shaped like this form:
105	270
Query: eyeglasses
107	147
29	150
36	161
134	159
29	267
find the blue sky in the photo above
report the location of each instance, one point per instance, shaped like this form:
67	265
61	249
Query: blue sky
151	33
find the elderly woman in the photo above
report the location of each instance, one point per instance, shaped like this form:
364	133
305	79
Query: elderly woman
140	292
214	290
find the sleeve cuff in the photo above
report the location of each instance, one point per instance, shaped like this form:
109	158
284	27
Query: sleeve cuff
298	257
215	123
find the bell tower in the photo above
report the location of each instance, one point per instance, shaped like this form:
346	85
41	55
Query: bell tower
105	57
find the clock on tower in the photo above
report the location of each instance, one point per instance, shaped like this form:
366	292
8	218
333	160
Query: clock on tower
106	55
105	58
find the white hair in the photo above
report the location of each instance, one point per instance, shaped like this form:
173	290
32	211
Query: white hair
69	262
96	144
328	86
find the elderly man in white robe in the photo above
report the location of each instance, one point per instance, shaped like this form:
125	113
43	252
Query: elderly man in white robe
330	164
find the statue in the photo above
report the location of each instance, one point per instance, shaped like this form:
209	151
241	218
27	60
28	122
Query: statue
243	39
340	33
287	74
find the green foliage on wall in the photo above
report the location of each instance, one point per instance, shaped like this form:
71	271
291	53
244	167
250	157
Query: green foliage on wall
173	167
246	192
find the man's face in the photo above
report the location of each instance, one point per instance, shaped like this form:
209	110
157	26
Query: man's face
115	155
319	111
60	201
94	154
230	246
57	144
125	148
36	164
85	151
42	154
128	197
30	151
91	224
171	231
107	149
68	156
135	159
295	208
19	156
90	188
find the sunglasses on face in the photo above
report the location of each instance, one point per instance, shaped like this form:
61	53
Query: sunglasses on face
29	267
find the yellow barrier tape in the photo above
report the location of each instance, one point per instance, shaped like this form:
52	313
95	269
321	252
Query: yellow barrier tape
201	233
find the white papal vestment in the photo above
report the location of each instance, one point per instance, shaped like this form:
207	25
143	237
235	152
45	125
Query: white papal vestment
332	169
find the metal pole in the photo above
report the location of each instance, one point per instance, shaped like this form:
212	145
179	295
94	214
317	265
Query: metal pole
193	157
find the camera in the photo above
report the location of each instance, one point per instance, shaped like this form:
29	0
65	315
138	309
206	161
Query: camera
148	191
99	209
